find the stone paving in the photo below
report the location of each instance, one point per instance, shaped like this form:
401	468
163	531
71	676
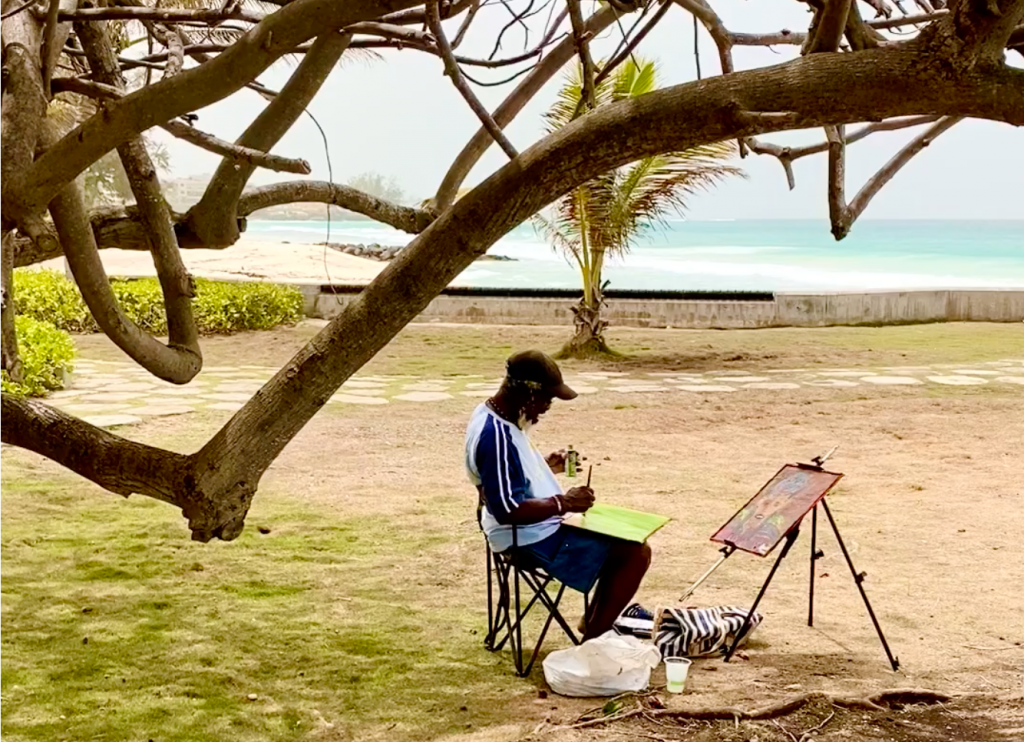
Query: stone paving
110	393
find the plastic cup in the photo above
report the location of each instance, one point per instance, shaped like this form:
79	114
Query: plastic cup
676	670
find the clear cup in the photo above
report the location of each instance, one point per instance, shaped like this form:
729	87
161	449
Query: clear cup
676	670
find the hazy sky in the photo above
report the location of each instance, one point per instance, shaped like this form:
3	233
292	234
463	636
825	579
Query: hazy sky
399	116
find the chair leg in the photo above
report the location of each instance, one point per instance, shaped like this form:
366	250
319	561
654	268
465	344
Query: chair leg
552	614
489	639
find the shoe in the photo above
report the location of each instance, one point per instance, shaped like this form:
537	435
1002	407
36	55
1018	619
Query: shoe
635	621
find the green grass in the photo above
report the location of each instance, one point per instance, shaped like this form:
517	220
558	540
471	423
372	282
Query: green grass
432	351
115	626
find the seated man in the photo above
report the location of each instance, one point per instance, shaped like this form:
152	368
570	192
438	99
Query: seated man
519	489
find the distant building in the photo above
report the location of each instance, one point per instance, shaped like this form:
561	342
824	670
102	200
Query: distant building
183	193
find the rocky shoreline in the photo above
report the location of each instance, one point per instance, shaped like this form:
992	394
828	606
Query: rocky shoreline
385	253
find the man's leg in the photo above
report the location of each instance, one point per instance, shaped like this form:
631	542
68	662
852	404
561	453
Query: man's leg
621	577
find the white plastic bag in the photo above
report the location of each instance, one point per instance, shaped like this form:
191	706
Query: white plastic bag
605	666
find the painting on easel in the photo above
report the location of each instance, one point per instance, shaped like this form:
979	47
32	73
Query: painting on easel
773	512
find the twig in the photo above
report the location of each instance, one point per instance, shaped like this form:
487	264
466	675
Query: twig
581	39
784	730
451	68
14	11
628	49
161	15
988	649
809	732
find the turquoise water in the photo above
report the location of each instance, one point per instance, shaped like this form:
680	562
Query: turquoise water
741	255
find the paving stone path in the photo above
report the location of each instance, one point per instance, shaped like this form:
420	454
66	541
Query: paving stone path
110	393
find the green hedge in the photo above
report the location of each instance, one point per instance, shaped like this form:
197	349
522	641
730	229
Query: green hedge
46	355
219	307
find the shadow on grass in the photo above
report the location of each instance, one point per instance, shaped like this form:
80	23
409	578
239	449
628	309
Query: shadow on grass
115	626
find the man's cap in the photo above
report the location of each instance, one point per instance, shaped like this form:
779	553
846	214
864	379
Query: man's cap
537	370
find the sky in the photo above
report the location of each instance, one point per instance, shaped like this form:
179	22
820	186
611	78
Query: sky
399	116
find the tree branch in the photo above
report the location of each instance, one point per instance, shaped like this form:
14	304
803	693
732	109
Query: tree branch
8	334
276	35
213	218
117	464
451	69
238	153
581	39
404	218
160	15
175	281
547	68
178	365
831	23
849	214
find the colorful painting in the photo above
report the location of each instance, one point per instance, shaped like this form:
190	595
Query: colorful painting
777	509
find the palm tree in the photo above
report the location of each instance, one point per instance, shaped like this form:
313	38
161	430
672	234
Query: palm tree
603	217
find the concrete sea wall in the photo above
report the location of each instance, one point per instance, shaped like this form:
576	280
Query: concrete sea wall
781	309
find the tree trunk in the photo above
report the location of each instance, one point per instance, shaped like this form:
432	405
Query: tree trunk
588	341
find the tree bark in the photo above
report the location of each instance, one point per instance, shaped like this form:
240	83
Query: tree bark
8	334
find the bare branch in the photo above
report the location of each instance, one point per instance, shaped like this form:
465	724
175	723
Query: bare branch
836	180
633	43
786	155
159	15
404	218
17	9
278	34
907	20
177	365
831	23
889	170
547	68
213	218
47	55
182	358
474	8
581	38
248	155
451	69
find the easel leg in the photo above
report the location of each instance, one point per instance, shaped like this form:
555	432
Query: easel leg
816	554
746	622
858	577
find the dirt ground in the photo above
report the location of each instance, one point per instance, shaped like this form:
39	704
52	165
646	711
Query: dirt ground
928	508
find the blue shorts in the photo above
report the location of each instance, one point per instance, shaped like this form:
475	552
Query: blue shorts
572	556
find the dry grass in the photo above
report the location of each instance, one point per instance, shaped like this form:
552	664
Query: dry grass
359	615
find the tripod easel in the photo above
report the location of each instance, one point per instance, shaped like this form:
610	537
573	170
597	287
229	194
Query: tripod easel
816	554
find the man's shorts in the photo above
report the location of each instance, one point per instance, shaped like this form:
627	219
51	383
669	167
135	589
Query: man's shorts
572	556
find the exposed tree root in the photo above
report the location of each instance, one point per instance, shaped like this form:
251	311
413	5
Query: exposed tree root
878	702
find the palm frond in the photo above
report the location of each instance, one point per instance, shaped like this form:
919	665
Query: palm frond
654	187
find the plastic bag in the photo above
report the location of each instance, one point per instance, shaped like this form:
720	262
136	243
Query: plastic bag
605	666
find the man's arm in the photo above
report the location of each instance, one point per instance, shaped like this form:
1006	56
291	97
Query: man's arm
504	486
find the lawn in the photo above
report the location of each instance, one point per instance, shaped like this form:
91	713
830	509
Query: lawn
352	606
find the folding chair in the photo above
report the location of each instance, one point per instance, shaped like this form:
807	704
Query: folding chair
507	571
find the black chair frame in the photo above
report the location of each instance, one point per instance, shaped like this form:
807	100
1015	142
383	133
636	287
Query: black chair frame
508	573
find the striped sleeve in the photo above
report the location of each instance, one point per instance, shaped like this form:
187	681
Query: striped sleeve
501	471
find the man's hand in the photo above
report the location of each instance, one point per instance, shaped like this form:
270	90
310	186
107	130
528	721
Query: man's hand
556	460
578	499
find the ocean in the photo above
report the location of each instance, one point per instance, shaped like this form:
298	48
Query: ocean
738	255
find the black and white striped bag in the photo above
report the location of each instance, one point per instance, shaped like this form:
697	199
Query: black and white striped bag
700	632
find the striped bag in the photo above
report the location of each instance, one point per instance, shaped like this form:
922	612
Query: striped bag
699	632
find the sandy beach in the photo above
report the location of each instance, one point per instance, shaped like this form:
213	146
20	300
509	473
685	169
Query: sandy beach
249	259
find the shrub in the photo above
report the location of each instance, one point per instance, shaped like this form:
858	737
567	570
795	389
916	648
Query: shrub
50	297
46	355
219	307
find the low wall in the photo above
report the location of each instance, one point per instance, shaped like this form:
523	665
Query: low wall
784	310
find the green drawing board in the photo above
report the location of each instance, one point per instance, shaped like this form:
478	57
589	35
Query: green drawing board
622	523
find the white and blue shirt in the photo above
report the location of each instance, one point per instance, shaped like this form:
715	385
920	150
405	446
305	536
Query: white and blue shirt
510	470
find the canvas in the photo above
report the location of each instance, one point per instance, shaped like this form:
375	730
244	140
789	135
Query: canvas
773	512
